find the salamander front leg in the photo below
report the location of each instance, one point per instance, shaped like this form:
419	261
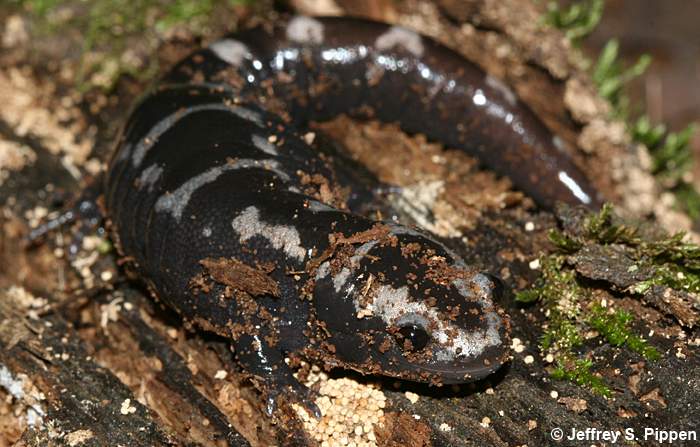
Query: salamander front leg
272	375
84	210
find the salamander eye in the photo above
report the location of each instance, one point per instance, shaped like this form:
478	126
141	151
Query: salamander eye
412	337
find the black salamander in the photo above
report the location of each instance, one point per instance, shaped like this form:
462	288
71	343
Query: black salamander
207	182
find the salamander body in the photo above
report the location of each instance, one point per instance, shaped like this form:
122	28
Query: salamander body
216	200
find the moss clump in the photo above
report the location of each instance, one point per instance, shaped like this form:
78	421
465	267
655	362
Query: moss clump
613	325
610	76
119	36
579	372
596	227
577	20
560	293
671	154
672	160
672	260
569	306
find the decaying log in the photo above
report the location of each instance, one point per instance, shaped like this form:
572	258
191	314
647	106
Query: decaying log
113	367
64	393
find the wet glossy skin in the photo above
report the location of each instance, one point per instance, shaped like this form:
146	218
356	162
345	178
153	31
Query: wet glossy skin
340	65
205	170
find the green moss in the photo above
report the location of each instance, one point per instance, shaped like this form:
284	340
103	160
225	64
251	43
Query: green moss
577	20
558	290
38	7
551	285
671	152
569	307
560	293
672	160
688	200
110	30
610	76
600	228
564	243
675	262
671	276
613	325
579	372
561	336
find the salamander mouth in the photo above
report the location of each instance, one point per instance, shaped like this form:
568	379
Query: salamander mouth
449	375
456	372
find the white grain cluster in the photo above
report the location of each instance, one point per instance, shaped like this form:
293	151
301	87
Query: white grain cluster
351	412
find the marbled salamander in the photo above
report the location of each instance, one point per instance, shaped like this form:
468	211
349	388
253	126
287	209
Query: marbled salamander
206	195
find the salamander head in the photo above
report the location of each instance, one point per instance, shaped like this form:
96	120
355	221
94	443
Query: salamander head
409	309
